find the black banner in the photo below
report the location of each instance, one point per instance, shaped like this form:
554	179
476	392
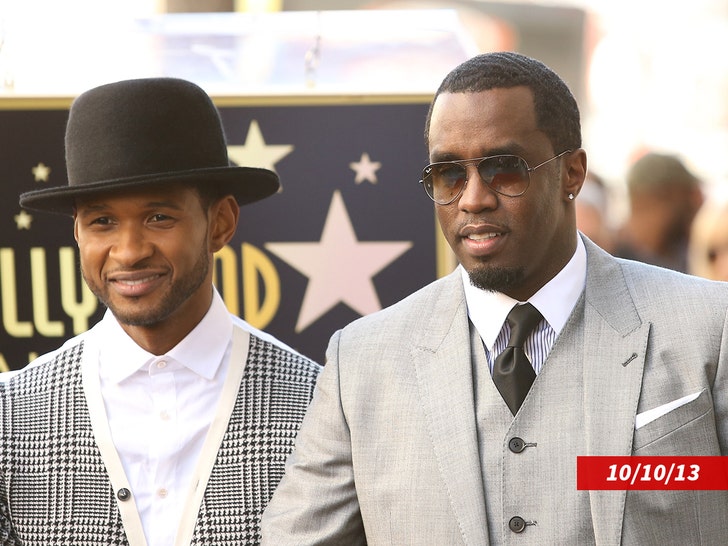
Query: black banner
350	232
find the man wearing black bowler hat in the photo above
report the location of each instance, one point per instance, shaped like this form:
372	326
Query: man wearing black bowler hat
169	421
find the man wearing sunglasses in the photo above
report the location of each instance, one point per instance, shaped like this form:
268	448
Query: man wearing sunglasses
426	428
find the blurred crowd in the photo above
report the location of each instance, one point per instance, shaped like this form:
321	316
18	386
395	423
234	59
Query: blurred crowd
670	220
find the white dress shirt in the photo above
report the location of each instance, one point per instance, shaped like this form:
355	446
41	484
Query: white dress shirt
555	301
159	409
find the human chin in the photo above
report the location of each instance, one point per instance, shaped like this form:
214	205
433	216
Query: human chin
496	278
147	312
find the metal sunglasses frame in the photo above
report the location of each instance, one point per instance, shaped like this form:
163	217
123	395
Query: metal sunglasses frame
465	162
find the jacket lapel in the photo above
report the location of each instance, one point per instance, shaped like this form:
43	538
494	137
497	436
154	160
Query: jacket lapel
102	435
442	360
215	435
614	357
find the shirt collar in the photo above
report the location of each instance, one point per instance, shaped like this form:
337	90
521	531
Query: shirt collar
201	351
555	300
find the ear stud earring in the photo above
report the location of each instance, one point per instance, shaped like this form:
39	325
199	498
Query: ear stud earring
571	196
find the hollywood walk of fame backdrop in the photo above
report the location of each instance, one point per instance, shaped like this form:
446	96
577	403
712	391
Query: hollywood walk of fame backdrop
350	232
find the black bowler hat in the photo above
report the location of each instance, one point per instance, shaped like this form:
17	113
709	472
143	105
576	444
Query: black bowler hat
133	133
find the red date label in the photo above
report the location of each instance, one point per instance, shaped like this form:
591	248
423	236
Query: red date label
655	473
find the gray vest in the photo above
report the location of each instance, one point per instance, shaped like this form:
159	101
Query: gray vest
529	462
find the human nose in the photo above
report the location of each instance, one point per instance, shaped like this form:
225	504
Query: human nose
130	246
476	195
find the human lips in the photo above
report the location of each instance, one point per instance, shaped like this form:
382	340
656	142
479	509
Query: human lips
482	236
478	232
482	239
136	283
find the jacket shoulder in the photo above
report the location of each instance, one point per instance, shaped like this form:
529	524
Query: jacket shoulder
281	362
443	295
47	372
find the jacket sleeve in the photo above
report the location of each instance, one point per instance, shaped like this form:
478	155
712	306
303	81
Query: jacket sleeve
7	533
316	501
720	391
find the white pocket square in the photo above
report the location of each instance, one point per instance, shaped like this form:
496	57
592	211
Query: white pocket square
650	415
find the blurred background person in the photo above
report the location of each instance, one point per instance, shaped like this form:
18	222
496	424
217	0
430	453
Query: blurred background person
664	197
592	212
708	250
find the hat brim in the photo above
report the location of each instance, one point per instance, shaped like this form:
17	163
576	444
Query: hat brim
246	184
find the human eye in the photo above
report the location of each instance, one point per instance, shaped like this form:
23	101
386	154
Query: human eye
160	220
448	174
506	174
99	221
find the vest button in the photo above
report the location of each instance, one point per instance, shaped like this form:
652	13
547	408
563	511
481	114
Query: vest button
123	494
516	445
517	524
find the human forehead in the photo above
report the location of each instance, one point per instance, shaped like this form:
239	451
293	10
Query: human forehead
503	119
143	197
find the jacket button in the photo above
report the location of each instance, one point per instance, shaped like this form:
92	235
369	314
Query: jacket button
516	445
517	524
123	494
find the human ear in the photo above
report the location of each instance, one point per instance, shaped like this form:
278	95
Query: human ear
575	173
224	214
75	226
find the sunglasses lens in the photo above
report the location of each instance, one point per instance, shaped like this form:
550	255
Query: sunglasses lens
443	181
506	174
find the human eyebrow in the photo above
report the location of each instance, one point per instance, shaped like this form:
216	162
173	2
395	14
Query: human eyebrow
85	209
509	149
163	205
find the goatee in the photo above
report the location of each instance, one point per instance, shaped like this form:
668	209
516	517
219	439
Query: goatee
497	279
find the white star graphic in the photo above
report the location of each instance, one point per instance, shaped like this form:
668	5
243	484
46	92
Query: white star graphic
256	153
339	267
365	169
41	172
23	220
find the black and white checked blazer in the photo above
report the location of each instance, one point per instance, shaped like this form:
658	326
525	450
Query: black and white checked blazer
55	489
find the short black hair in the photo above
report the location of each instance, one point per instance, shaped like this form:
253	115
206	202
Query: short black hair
208	193
557	113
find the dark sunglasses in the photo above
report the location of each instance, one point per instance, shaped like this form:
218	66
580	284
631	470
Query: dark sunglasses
507	175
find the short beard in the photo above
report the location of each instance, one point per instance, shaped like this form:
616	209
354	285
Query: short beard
497	279
179	292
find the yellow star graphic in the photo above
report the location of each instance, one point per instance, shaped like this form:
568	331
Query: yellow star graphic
255	152
41	172
365	169
23	220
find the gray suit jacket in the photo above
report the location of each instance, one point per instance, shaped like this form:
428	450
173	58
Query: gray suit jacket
388	452
58	482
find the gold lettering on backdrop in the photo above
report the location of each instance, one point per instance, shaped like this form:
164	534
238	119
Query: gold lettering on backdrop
81	311
3	364
254	262
12	325
39	281
259	313
226	260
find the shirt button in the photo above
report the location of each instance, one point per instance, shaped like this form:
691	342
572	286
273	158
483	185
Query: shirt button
516	445
164	415
161	364
517	524
162	492
123	494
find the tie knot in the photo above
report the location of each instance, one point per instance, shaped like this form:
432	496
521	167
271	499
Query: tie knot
522	320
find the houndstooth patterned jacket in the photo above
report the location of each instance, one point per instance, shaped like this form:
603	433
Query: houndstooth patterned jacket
56	490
